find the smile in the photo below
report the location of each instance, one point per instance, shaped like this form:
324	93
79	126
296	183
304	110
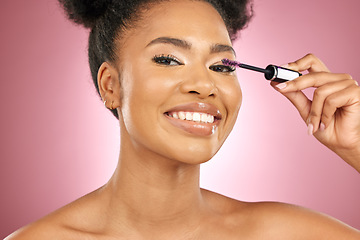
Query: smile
201	119
192	116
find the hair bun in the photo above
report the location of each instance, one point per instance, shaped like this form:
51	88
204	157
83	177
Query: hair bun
85	12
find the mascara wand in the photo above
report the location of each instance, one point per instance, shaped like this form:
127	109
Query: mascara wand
271	72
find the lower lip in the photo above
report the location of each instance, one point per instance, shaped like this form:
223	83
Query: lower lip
195	128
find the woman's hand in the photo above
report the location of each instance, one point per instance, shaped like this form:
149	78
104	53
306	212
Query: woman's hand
333	115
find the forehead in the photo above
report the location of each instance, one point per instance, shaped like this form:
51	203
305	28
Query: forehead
184	19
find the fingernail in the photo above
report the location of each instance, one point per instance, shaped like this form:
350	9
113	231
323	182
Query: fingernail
322	127
310	129
284	65
281	85
308	120
356	83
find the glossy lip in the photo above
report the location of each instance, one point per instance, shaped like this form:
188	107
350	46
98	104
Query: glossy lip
195	128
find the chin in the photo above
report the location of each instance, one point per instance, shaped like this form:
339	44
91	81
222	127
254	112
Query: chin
194	153
195	159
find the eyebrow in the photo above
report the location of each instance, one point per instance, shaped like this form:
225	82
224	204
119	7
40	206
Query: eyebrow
174	41
216	48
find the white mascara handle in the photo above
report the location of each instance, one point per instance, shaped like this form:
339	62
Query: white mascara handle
280	74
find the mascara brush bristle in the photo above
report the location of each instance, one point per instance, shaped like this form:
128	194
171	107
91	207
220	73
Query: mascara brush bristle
230	62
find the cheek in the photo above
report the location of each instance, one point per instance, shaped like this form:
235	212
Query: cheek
232	97
144	92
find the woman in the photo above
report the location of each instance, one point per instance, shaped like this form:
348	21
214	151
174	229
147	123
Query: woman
160	64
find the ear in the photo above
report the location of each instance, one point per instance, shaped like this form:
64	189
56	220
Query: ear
109	85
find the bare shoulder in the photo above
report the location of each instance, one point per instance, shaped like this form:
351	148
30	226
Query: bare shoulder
290	221
69	222
38	230
273	220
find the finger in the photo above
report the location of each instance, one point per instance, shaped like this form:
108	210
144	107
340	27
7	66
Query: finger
319	97
340	99
315	79
310	63
299	100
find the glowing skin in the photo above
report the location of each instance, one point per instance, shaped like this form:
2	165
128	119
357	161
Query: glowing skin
169	74
151	89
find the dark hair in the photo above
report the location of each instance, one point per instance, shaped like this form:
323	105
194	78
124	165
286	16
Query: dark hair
108	19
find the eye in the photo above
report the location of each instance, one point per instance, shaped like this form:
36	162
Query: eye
167	60
222	68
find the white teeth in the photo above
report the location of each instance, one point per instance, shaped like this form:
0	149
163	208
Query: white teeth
182	115
189	116
193	116
196	117
203	117
211	119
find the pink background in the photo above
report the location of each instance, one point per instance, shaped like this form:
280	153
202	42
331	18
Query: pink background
58	142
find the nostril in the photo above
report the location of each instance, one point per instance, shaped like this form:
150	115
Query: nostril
196	92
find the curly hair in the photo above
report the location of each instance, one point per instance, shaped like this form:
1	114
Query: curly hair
100	15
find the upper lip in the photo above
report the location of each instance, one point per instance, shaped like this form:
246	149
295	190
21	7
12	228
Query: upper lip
200	107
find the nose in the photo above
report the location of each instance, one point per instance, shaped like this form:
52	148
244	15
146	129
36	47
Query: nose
199	83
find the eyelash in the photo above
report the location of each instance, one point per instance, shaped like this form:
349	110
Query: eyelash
166	60
169	60
222	68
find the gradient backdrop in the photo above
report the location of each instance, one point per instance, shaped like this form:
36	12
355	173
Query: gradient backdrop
58	142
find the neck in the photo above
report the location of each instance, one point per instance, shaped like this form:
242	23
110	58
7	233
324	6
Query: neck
147	189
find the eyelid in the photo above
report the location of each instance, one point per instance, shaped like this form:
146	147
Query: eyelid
228	69
167	56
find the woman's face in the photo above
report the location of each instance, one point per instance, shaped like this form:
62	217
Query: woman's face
170	70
